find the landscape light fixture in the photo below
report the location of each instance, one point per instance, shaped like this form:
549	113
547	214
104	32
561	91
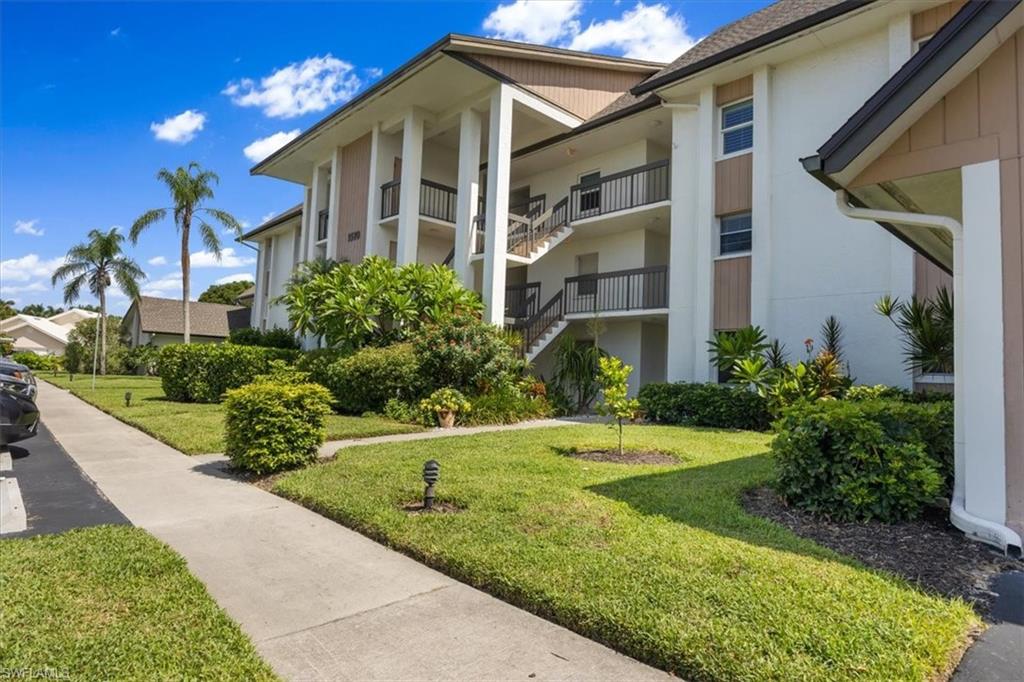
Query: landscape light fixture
431	474
127	398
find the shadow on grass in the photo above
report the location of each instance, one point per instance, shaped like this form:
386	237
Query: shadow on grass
708	497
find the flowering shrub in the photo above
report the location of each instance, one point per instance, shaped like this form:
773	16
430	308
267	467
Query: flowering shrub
445	401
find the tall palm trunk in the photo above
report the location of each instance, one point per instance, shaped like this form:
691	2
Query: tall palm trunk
186	268
102	331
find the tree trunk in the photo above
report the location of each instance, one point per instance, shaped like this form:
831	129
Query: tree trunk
102	331
620	436
186	268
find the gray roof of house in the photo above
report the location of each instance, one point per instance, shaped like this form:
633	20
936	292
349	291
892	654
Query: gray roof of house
163	316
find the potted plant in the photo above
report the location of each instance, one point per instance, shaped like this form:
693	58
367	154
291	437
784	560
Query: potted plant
446	403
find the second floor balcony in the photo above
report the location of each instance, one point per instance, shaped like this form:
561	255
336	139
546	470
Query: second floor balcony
437	201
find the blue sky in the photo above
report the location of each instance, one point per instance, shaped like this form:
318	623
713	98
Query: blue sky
96	97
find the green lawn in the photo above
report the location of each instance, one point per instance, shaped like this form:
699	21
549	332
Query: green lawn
659	562
112	602
193	428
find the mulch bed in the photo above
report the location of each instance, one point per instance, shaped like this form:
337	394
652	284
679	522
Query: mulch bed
929	552
627	457
438	508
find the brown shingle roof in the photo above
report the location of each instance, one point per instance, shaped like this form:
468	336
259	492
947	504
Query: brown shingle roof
771	23
163	316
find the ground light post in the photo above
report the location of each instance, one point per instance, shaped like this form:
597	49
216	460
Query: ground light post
431	474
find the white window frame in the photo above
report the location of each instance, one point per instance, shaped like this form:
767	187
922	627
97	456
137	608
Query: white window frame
722	131
734	254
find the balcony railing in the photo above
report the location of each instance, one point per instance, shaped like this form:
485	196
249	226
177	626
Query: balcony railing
631	188
436	200
522	300
321	225
638	289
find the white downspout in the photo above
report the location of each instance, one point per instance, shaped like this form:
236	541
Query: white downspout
974	526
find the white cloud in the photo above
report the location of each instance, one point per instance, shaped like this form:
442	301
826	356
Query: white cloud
228	259
644	32
535	21
28	227
373	72
157	260
181	128
647	31
265	146
267	217
28	267
164	286
299	88
236	277
26	288
115	32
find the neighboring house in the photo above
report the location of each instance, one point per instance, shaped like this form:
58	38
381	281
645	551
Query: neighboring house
159	321
43	335
935	157
665	200
246	297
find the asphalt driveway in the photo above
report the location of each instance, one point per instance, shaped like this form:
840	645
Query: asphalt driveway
55	493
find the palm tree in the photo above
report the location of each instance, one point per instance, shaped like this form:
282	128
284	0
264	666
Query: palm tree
97	263
189	188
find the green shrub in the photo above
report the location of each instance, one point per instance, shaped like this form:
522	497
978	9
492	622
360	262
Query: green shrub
202	372
877	392
280	372
367	379
271	338
402	411
271	426
37	363
877	459
318	363
720	406
141	360
466	354
506	404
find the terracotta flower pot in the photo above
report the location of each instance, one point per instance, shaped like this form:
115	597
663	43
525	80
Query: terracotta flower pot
446	419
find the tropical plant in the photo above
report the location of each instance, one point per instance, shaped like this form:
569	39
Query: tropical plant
575	376
226	293
373	302
820	377
927	329
81	347
7	309
613	376
190	188
96	264
40	310
727	347
832	337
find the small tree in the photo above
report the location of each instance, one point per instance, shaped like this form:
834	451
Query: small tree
613	376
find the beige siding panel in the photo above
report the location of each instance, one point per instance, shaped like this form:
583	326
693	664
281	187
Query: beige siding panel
961	114
733	184
1012	194
740	88
581	90
355	184
931	20
997	84
732	293
929	277
929	131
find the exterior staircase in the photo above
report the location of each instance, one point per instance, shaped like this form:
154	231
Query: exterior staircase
543	327
540	344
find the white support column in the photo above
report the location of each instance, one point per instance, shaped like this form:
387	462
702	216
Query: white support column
371	229
499	162
468	193
979	357
334	205
409	191
703	289
306	224
256	316
317	201
761	204
682	242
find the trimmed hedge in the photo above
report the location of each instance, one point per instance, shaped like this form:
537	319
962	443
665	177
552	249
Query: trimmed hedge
875	459
202	372
271	426
715	405
366	380
37	363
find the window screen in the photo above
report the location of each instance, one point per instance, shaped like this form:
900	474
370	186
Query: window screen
734	234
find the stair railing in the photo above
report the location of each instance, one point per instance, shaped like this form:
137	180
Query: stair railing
537	325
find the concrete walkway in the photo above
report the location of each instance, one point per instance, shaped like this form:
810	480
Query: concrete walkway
319	601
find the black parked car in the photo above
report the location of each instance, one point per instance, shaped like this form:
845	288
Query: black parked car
19	415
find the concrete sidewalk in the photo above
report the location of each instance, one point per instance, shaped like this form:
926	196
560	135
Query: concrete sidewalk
319	601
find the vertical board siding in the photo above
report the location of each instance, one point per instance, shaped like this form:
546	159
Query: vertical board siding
1012	196
734	184
928	277
355	185
931	20
741	88
584	91
732	293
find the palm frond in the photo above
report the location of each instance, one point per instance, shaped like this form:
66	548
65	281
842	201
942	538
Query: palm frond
144	221
73	288
210	238
225	219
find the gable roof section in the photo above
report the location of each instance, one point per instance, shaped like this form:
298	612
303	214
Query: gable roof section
41	324
779	20
163	316
921	72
